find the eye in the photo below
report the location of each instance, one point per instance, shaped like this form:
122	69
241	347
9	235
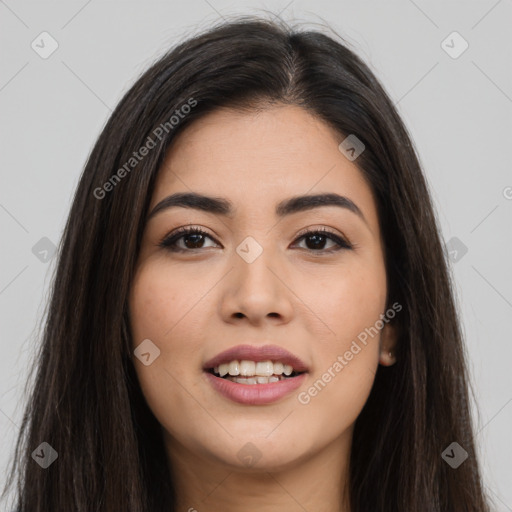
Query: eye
316	239
193	238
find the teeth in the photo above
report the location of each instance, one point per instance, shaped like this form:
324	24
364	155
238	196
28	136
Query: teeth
247	368
241	380
263	371
278	368
234	368
264	368
223	369
256	380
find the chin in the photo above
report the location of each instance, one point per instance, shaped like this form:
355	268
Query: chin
254	453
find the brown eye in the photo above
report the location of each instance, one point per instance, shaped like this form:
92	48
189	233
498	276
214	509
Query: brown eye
193	238
316	240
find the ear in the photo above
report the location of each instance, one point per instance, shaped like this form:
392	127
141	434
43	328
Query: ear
388	344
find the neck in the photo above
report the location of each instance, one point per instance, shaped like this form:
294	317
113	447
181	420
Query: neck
317	482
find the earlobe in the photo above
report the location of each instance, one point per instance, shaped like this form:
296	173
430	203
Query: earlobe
387	358
388	344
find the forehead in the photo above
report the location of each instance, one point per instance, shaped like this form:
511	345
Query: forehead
257	158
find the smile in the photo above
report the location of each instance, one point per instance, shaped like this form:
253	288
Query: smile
255	375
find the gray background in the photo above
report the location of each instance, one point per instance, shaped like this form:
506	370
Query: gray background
458	110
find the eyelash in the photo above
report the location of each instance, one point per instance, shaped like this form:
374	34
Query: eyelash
169	242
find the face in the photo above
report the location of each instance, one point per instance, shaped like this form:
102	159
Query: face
298	287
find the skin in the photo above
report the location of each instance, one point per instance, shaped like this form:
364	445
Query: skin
194	305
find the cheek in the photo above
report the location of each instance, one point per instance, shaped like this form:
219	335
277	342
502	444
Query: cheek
162	302
162	309
346	357
152	305
346	302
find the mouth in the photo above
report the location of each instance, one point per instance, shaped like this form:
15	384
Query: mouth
255	375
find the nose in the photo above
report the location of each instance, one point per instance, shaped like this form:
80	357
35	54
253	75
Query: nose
256	291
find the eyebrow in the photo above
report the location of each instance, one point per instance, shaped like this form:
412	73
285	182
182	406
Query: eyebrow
224	207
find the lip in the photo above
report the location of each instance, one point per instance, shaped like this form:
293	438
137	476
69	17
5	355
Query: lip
255	394
257	353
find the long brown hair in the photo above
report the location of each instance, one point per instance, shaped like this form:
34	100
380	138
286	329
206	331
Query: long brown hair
85	399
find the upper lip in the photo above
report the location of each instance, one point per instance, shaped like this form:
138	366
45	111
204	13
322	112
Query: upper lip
257	353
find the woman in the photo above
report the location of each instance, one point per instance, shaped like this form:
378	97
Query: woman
252	307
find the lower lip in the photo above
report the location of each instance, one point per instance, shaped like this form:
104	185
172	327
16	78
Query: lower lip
255	394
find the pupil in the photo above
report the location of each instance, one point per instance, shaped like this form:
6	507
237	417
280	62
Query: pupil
318	242
193	243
